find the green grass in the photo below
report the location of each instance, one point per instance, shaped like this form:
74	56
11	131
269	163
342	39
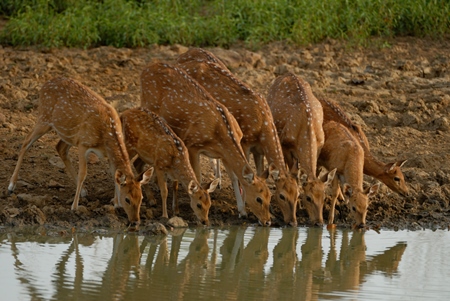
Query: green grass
136	23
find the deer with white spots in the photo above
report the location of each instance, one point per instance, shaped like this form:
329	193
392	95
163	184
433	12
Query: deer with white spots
84	119
390	173
206	127
255	120
298	118
150	137
343	152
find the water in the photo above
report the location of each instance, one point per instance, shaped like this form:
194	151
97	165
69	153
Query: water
236	263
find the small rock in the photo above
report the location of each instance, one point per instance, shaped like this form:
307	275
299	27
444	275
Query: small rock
82	209
149	213
179	49
56	161
154	229
12	212
109	209
177	222
54	184
415	226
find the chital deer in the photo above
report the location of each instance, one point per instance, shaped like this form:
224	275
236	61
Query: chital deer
390	173
83	119
148	136
343	152
298	118
254	118
206	127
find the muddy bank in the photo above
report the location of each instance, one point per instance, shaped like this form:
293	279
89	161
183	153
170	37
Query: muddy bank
398	93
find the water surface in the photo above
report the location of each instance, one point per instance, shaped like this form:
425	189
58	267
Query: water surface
236	263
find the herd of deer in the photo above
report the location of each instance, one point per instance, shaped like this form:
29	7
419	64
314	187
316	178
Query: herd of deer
199	107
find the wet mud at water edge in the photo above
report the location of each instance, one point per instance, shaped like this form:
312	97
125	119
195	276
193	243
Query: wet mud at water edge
398	92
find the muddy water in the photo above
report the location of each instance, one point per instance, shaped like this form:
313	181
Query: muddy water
235	263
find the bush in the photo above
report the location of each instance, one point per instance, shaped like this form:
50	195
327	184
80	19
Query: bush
136	23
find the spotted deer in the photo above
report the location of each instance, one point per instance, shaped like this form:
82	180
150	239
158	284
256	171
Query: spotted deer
388	173
206	127
254	118
82	118
298	119
150	137
343	152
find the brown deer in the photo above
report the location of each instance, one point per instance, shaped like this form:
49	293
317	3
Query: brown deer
84	119
206	127
390	173
298	119
148	136
343	152
254	118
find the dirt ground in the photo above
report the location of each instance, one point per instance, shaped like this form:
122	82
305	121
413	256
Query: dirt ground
398	91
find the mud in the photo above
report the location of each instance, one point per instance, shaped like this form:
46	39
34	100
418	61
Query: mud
398	91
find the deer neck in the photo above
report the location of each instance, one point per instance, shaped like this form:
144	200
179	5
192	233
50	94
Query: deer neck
372	166
116	150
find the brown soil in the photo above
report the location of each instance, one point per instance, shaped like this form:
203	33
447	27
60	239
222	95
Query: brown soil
398	91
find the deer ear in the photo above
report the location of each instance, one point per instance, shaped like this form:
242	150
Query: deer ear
212	186
372	190
347	190
247	174
391	166
303	176
295	172
330	177
145	177
274	172
400	163
119	177
192	187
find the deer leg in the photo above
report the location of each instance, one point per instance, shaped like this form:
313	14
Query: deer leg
237	193
289	159
259	162
163	190
175	208
335	191
215	165
195	163
63	150
82	172
38	130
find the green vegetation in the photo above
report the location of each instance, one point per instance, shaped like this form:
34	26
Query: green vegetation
134	23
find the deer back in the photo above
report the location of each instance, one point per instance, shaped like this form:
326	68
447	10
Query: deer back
298	118
202	55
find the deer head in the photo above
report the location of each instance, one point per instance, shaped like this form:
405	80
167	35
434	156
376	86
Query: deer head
359	202
314	196
130	194
200	199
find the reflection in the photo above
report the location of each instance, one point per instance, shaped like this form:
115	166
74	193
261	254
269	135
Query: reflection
234	263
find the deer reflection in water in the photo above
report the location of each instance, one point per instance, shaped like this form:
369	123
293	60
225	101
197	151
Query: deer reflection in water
231	263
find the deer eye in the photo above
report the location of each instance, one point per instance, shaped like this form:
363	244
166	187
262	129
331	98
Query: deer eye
396	179
199	206
282	197
309	199
354	208
127	200
259	200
